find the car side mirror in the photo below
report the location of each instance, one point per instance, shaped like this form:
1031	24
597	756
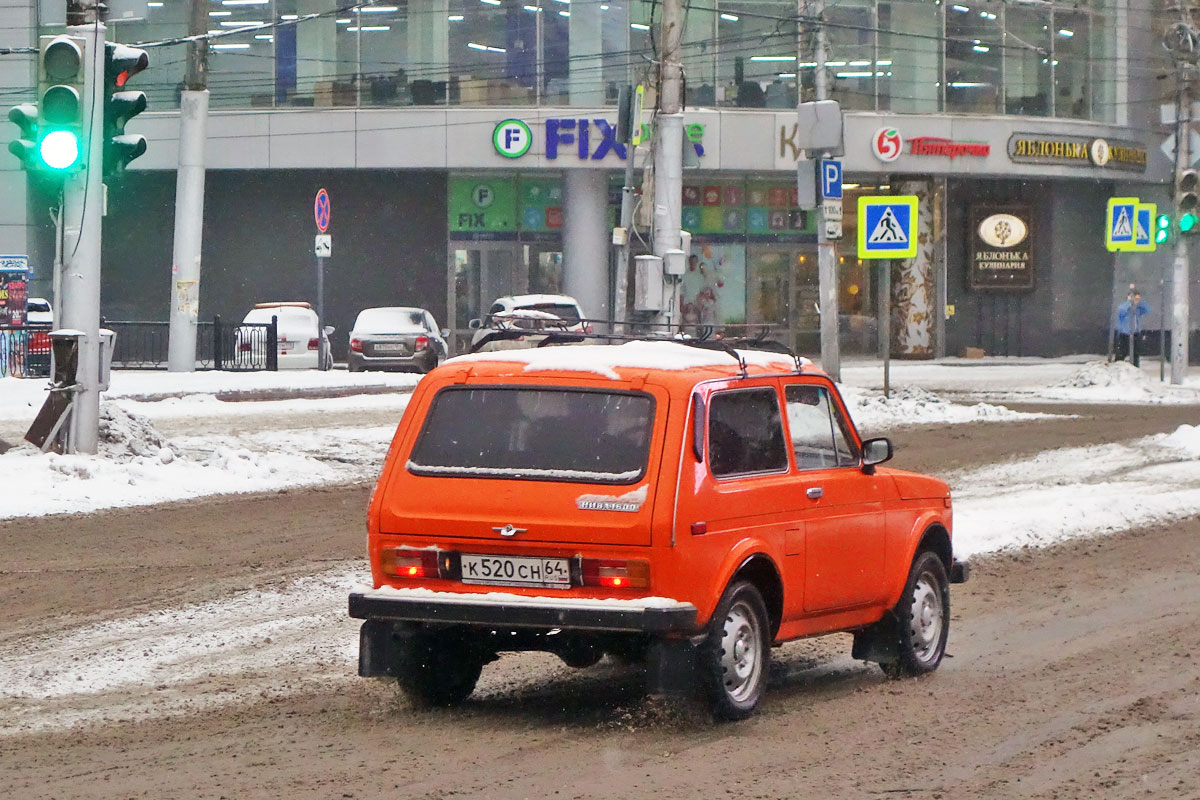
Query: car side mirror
475	324
329	329
445	333
875	451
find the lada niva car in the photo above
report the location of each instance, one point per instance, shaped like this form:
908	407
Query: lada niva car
655	501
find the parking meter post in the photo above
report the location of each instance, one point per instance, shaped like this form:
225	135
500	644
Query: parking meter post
273	344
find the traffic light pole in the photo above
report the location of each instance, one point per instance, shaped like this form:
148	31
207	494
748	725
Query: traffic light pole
1180	302
83	207
827	291
189	200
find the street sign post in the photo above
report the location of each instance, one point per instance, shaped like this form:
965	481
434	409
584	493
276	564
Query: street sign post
323	247
1119	222
887	226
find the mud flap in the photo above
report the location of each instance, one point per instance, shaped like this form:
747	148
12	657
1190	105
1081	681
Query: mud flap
672	667
378	649
879	643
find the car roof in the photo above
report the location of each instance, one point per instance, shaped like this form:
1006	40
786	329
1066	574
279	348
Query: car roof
668	362
284	304
537	299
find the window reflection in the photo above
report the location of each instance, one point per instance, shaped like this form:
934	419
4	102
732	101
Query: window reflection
912	56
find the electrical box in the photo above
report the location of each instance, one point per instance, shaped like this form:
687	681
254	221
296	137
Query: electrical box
685	244
620	236
648	283
675	262
108	340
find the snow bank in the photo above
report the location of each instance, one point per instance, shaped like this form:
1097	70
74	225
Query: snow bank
910	405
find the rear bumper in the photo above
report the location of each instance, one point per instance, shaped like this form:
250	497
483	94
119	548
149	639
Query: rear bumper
503	610
418	361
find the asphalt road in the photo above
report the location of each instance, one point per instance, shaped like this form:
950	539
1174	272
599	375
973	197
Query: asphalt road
1074	673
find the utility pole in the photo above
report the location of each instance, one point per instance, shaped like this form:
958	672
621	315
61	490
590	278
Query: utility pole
827	288
668	152
83	207
189	199
1180	302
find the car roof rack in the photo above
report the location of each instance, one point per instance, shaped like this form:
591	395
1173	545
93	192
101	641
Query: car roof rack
705	338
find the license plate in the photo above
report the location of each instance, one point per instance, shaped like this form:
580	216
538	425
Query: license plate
390	348
285	346
550	573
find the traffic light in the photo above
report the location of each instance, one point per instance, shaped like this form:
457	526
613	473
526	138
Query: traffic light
25	146
121	63
60	146
1162	228
1187	200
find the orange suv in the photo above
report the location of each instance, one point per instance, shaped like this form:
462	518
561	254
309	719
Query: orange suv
686	506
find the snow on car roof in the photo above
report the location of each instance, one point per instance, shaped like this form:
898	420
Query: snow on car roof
390	319
605	360
527	313
540	299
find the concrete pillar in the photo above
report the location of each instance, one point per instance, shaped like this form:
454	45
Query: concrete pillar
585	82
428	40
586	240
17	226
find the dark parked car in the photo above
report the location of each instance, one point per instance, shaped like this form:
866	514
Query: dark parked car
396	337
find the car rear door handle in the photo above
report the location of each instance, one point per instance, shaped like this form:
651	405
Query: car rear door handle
814	492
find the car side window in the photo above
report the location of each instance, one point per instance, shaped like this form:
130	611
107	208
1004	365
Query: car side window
745	433
843	439
811	426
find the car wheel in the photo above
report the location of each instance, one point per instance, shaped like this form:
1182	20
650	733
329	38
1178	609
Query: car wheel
735	653
437	670
922	618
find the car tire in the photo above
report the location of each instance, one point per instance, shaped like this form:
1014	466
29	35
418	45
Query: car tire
437	670
922	618
736	651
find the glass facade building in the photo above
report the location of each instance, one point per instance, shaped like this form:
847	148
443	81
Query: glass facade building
1049	59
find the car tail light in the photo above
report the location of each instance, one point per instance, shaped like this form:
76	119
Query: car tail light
39	343
406	562
313	344
421	343
616	574
356	345
244	347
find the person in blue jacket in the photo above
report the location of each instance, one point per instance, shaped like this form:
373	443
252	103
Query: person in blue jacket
1129	325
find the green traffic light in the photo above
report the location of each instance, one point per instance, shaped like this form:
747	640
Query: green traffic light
59	149
1187	222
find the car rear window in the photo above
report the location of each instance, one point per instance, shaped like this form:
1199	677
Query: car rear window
291	317
536	434
389	320
565	311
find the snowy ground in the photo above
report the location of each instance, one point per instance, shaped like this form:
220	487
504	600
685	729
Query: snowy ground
218	446
301	628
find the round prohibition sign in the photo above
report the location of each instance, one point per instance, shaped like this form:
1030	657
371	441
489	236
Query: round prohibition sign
512	138
322	210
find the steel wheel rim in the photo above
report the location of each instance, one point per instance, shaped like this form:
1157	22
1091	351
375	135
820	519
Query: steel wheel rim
741	652
926	619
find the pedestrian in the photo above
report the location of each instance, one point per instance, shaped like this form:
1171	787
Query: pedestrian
1129	325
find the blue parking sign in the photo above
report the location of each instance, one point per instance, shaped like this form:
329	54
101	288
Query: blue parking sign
831	179
887	226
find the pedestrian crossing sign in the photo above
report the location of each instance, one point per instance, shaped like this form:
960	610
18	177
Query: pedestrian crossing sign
1119	224
1143	228
887	226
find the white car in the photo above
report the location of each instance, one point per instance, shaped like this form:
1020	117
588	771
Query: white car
539	314
38	311
301	344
